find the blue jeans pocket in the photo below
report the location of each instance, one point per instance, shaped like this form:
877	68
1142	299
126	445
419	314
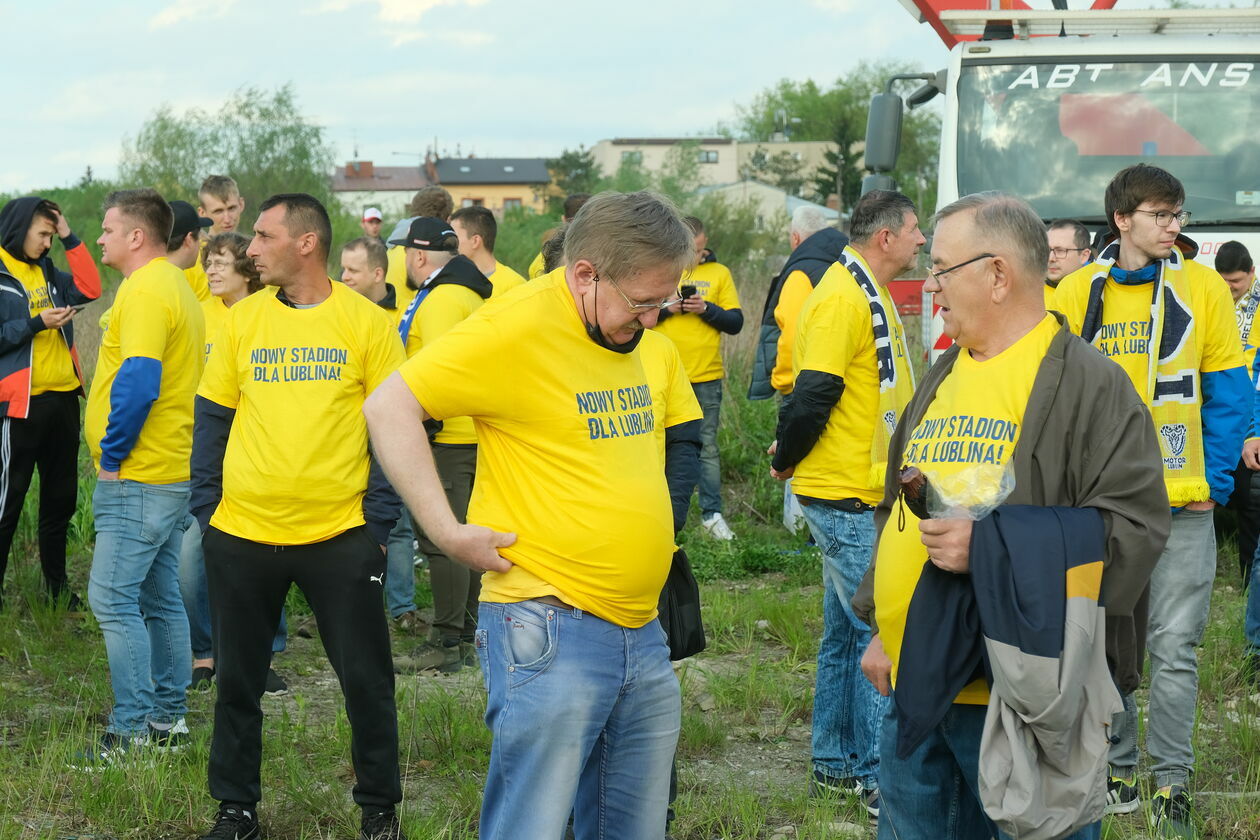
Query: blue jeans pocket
160	511
529	634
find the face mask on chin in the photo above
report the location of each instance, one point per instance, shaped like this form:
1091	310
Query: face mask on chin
595	334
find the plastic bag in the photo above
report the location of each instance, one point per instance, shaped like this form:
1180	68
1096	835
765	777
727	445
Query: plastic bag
971	493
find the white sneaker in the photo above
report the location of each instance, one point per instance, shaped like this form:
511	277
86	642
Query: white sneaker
717	527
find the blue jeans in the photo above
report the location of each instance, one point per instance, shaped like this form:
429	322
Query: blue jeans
585	718
934	793
134	592
709	395
1181	593
848	711
192	589
400	568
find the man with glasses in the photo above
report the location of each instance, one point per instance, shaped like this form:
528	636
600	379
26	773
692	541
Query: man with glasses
571	521
1169	323
1018	392
853	378
1069	250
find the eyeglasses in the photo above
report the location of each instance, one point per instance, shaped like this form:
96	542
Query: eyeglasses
219	264
937	275
1163	218
1060	253
638	307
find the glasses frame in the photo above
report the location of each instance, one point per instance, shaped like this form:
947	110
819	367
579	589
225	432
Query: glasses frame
637	308
1060	253
1182	216
937	275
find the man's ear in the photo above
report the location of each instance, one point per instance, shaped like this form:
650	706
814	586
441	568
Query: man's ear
584	274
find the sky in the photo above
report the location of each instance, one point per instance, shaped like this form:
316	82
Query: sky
498	78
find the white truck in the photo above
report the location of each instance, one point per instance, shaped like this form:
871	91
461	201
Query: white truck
1053	118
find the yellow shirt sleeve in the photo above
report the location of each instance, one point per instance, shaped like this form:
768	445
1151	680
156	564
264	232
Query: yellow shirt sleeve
384	355
796	289
1222	346
219	382
725	295
681	405
536	268
1071	296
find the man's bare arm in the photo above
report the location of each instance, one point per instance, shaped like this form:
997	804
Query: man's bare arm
396	423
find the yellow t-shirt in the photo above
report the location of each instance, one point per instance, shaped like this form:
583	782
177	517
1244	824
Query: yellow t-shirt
835	336
673	399
52	369
215	313
1125	333
787	313
443	308
156	316
567	458
1048	291
396	274
197	280
504	279
975	418
296	466
537	267
699	343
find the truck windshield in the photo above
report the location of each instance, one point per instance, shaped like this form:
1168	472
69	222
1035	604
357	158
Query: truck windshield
1055	132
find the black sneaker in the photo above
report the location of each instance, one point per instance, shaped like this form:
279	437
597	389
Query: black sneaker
870	799
1170	808
172	739
202	679
276	685
381	825
1122	796
234	823
111	750
822	785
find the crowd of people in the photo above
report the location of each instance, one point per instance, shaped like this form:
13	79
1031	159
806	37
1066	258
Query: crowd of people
1003	542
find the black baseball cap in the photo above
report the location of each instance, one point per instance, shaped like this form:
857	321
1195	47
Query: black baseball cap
186	219
427	234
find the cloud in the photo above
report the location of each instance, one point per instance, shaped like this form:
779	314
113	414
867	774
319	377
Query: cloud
180	12
470	38
394	11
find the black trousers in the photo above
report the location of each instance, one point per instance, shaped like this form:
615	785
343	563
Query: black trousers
342	579
1246	501
47	440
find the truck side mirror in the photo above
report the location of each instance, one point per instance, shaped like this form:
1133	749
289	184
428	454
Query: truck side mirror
883	132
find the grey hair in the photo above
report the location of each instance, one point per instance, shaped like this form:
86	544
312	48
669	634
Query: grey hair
626	234
877	210
807	220
1006	222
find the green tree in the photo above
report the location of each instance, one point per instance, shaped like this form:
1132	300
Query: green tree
575	171
781	170
805	110
260	138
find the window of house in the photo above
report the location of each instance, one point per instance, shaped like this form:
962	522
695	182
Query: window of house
510	203
635	156
707	155
473	202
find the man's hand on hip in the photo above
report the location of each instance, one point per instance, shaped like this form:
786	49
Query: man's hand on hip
476	547
1251	454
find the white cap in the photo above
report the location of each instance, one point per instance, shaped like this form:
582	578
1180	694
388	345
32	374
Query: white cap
372	213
